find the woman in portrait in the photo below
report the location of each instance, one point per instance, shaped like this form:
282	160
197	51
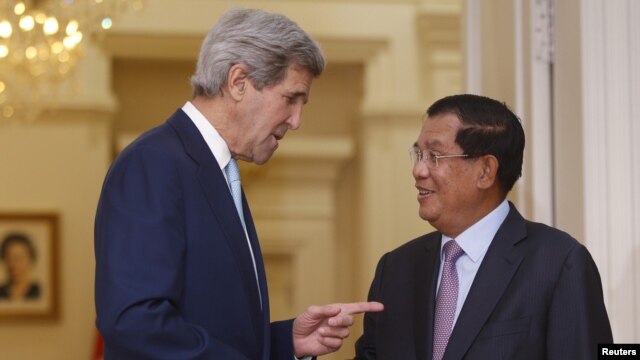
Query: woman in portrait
18	255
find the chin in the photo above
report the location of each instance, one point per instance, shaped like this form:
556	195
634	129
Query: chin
425	215
260	160
263	153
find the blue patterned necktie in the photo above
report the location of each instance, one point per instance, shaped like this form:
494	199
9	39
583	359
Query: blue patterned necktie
446	299
233	177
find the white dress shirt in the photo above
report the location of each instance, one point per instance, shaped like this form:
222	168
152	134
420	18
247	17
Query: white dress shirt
474	241
221	152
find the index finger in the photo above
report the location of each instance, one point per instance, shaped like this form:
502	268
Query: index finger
360	307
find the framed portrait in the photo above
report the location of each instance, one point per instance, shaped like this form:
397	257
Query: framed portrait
28	265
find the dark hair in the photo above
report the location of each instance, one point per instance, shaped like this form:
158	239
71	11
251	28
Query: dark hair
17	238
267	43
489	127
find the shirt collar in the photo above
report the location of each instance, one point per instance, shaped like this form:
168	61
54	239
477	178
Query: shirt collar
476	239
216	143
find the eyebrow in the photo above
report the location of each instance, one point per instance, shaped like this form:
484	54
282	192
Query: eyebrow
434	143
430	144
302	94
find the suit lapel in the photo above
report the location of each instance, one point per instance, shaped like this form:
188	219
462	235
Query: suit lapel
257	253
215	188
426	273
262	279
497	268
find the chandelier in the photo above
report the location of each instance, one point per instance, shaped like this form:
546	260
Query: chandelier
40	44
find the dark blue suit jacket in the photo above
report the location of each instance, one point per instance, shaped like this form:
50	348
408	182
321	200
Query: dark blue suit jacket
537	295
174	275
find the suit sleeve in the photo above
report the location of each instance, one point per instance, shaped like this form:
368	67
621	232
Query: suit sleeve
282	340
140	247
366	344
578	319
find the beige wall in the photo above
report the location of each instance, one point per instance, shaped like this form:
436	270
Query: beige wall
568	124
57	166
337	195
149	92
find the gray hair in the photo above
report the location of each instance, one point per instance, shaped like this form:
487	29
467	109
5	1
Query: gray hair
267	43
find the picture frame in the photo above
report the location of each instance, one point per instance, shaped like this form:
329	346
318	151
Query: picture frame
28	266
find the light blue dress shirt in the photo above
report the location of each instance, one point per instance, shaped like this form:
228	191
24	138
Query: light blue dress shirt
474	241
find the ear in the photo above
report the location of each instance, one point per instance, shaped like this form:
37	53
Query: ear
488	171
237	81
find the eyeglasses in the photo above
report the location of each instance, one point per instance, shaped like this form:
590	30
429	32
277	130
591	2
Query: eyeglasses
429	158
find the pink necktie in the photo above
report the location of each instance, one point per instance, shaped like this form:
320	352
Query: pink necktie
447	299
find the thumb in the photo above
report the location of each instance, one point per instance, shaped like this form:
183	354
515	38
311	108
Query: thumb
322	312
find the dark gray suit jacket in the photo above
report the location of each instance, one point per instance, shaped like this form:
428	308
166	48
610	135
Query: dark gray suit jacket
537	295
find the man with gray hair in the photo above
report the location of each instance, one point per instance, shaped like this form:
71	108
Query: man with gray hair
179	271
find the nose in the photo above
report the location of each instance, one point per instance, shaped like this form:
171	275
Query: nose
295	120
420	170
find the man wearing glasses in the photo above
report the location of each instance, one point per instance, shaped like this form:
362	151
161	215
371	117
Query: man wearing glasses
488	284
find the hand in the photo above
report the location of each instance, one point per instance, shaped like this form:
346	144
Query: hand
320	329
